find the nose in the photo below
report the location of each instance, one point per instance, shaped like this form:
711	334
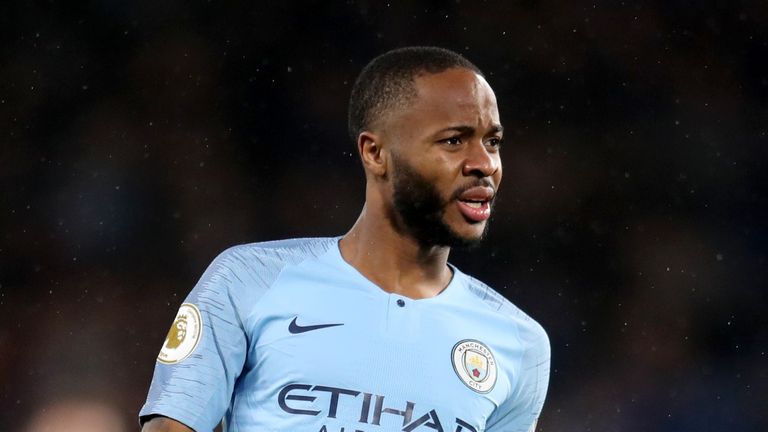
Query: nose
481	161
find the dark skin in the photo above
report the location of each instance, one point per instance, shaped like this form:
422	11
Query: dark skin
164	424
449	136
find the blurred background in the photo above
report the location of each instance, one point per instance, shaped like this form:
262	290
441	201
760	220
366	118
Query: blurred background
139	139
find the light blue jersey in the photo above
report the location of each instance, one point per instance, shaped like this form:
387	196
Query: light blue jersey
287	336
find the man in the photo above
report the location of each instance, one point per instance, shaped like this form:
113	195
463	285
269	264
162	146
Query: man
373	331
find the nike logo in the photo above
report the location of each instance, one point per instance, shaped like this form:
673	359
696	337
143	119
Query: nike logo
296	329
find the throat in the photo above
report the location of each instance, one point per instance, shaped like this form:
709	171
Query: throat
398	264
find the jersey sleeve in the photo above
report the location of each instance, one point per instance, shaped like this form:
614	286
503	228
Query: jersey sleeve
520	412
205	350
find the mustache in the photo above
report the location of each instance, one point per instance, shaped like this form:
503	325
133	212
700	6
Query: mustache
482	182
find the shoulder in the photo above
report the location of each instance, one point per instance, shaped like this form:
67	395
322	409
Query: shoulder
251	268
529	331
271	255
242	274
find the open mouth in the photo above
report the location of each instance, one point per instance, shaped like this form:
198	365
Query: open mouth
475	211
475	203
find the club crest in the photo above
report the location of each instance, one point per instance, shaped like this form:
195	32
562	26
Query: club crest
183	336
474	364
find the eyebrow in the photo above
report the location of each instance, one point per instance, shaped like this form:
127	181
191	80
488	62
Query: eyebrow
463	129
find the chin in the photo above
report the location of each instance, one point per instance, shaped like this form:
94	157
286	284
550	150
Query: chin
466	243
469	238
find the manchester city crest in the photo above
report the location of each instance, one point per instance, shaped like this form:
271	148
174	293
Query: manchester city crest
474	364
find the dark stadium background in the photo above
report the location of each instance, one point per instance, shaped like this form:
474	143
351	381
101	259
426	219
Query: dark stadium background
140	139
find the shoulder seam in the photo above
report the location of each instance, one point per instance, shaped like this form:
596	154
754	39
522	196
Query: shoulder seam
290	250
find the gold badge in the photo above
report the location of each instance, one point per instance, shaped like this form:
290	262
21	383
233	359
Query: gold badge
184	335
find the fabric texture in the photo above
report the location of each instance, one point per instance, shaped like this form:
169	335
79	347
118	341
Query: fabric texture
293	338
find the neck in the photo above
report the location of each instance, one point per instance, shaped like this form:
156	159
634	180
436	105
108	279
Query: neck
395	262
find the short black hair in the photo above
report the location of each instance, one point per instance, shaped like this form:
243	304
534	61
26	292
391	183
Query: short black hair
387	82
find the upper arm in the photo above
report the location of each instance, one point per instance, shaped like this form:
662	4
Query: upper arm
521	410
205	351
164	424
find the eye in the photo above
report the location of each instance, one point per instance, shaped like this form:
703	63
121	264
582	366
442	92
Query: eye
495	142
456	140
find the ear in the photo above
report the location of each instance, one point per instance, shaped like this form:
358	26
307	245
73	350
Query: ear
372	153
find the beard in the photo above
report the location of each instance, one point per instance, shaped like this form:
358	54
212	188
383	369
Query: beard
419	210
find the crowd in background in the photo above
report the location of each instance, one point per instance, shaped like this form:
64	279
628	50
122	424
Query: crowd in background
140	140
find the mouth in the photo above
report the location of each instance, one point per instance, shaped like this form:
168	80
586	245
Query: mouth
475	203
475	211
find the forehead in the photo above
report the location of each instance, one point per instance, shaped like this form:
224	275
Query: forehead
455	88
450	79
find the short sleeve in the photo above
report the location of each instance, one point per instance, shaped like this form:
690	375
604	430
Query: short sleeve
204	352
520	412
